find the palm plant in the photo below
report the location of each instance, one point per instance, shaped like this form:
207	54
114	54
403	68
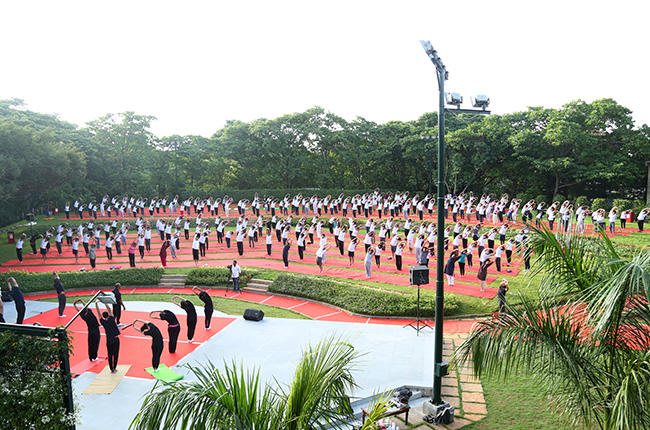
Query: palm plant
235	399
586	339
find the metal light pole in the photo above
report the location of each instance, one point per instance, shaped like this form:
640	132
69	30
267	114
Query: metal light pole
440	368
647	191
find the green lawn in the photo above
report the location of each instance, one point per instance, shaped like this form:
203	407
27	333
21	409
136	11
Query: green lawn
518	403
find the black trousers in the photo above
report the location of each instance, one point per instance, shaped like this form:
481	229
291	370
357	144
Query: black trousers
208	316
268	249
173	337
117	312
19	254
93	343
131	260
20	312
156	352
398	262
191	327
240	248
61	303
113	348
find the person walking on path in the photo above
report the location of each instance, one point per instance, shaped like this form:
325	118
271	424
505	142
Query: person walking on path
60	291
19	300
93	328
112	336
208	307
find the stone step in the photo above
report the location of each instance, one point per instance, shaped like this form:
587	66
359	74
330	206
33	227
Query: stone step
179	277
172	281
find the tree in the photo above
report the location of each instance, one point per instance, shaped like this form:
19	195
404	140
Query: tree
127	142
235	399
588	338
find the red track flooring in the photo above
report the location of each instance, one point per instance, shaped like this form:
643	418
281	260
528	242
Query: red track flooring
135	348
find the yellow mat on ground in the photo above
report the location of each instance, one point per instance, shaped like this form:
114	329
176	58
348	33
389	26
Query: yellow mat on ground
106	381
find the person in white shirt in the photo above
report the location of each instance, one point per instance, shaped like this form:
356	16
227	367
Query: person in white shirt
320	254
19	247
235	272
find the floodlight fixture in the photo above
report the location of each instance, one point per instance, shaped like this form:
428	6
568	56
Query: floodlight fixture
481	101
107	298
454	99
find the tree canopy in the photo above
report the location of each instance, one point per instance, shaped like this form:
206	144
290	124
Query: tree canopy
591	149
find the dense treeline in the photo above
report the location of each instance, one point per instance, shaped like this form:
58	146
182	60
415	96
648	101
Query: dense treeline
590	149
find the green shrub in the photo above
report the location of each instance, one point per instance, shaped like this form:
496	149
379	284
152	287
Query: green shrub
33	383
359	299
600	203
210	276
622	204
34	282
582	201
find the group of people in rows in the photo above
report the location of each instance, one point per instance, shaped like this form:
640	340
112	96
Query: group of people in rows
110	319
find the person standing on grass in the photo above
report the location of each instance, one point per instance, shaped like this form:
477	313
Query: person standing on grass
19	247
190	311
235	272
60	291
196	245
132	249
92	254
18	298
173	326
119	304
320	255
482	273
501	295
112	336
149	329
163	253
398	254
285	253
208	306
93	328
367	262
451	265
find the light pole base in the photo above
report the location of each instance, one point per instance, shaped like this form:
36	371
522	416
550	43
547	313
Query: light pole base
438	414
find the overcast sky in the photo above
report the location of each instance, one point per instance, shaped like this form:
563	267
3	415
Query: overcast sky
196	64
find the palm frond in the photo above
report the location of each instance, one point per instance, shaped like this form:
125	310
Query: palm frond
552	343
318	394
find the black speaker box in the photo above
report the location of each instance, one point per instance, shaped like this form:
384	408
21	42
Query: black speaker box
253	315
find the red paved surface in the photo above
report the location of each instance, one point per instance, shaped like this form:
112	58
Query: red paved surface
135	348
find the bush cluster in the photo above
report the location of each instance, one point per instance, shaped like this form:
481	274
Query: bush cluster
359	299
32	383
34	282
210	276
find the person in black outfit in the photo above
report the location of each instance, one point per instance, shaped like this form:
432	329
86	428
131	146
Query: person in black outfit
112	332
501	295
190	310
93	329
19	300
173	327
149	329
208	306
119	304
285	253
60	291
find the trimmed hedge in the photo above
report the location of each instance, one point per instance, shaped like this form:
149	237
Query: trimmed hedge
210	276
359	299
34	282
